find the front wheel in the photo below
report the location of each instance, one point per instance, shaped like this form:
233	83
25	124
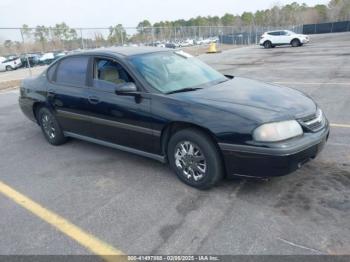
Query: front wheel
50	127
295	43
195	159
9	68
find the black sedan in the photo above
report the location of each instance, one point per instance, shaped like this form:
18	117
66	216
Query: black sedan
171	107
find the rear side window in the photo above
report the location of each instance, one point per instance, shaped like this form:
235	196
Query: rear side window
72	71
51	72
274	33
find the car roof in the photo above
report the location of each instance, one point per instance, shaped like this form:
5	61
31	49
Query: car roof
275	31
126	51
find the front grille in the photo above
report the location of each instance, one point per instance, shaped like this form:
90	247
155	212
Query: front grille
314	122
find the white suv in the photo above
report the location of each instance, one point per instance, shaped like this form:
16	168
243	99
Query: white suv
283	37
10	64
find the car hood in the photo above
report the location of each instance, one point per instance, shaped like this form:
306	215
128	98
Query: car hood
240	93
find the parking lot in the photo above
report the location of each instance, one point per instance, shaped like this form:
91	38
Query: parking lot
138	206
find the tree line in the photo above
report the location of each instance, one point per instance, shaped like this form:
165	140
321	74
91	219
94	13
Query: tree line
289	14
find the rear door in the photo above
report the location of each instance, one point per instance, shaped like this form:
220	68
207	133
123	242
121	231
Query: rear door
68	93
119	119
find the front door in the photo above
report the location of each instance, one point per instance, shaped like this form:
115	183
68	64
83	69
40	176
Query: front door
120	119
285	37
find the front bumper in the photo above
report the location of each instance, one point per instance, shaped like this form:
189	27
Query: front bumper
274	159
305	41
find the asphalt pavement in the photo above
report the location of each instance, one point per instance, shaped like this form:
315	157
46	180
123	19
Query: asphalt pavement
138	206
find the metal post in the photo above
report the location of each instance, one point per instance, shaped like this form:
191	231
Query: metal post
233	41
81	36
53	42
26	53
121	36
152	35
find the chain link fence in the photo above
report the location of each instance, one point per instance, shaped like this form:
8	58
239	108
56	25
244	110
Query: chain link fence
40	40
335	27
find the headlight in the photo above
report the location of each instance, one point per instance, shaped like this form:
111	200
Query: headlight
277	131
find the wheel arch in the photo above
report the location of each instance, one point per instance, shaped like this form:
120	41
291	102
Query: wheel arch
36	106
295	38
175	126
267	41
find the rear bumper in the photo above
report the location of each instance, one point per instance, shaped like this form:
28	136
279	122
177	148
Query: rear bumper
275	159
18	65
26	106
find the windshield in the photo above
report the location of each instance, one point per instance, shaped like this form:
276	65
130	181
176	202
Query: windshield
171	71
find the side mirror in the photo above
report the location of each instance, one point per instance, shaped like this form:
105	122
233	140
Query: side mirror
229	76
126	89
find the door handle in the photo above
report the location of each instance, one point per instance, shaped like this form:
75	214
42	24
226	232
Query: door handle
94	100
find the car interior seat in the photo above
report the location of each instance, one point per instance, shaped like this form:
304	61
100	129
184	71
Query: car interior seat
111	74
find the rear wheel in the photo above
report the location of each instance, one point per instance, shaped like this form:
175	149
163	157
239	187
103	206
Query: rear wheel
267	44
195	158
9	68
50	127
295	43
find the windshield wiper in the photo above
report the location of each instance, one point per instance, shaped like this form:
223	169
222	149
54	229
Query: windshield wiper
187	89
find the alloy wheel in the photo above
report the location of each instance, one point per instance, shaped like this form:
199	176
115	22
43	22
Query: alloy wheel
48	126
190	160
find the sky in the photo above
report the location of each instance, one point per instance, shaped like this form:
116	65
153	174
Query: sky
103	13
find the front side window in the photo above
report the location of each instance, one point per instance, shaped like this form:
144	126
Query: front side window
110	71
171	71
288	32
72	71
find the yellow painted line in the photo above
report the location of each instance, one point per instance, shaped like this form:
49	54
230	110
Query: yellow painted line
340	125
96	246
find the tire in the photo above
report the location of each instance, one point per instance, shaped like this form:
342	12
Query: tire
295	43
267	44
203	173
50	127
9	68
